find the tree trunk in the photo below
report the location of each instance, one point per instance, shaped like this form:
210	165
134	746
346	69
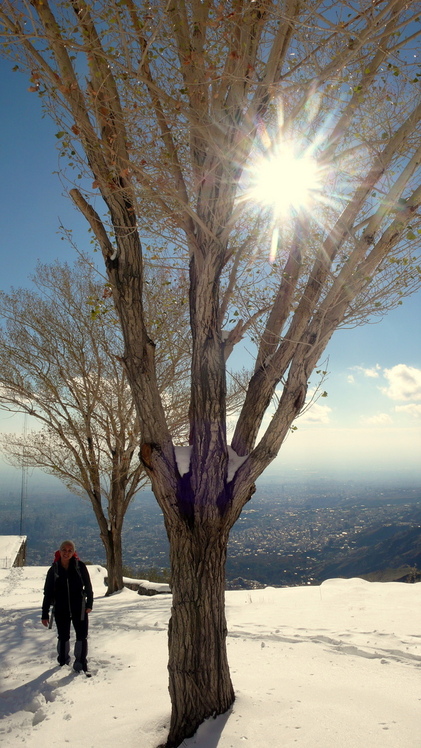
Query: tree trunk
114	558
199	679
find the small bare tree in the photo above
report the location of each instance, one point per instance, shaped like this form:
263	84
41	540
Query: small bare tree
175	110
60	362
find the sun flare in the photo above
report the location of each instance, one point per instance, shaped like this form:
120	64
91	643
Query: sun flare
285	181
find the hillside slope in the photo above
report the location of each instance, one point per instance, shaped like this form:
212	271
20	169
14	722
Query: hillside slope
389	547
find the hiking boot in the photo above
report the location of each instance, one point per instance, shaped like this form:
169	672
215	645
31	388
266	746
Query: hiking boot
81	650
63	652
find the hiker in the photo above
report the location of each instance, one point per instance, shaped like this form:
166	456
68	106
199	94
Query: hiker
68	589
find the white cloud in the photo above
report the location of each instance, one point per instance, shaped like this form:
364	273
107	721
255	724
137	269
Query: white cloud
404	383
411	409
385	447
351	379
372	372
380	419
316	414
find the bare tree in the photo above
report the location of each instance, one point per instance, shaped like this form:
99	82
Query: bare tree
60	362
175	110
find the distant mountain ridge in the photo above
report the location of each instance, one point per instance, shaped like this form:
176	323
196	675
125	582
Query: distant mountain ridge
390	547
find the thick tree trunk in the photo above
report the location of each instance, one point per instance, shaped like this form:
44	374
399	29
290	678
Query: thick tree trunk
199	679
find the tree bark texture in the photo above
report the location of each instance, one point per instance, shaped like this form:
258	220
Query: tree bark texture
114	559
110	532
199	679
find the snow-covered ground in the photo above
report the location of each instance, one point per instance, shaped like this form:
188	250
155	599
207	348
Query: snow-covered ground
335	666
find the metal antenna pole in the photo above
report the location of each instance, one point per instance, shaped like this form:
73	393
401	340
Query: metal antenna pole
24	478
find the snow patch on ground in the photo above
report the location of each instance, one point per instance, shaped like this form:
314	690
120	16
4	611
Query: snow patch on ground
335	666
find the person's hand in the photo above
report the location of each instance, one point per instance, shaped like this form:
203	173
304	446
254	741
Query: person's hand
45	622
89	610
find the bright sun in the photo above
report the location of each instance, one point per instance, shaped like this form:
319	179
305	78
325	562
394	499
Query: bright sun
285	181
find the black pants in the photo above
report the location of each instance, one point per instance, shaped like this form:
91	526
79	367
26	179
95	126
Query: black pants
63	627
63	632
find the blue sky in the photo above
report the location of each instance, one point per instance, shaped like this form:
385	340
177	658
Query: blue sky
371	420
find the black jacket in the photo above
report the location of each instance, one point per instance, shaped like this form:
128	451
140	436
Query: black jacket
69	590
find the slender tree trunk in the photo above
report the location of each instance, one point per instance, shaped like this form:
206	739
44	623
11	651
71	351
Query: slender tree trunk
110	533
114	560
199	679
111	527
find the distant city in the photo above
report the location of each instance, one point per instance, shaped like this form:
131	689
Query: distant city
290	533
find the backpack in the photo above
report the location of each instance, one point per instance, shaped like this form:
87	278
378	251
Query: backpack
77	567
56	576
57	559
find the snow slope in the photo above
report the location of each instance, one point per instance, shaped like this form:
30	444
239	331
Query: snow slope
9	548
335	666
